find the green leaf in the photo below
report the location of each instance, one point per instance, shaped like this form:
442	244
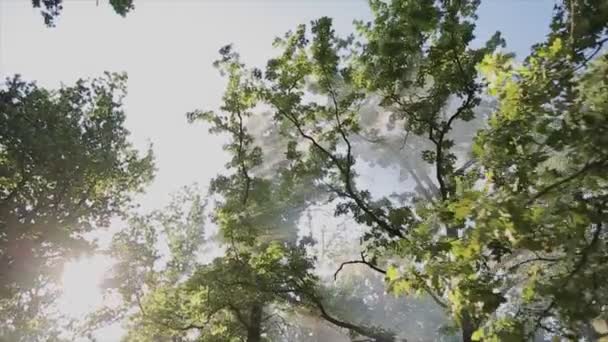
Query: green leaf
392	274
477	335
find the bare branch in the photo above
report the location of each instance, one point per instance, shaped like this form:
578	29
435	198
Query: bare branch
362	261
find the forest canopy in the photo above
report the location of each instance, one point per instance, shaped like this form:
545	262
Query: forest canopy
496	230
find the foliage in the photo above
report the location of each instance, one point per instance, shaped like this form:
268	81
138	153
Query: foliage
505	233
544	155
505	239
263	272
51	9
66	168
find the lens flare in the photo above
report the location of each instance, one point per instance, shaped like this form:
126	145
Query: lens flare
81	282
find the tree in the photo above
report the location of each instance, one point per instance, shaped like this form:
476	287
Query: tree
263	273
402	65
51	9
66	169
505	238
542	222
505	233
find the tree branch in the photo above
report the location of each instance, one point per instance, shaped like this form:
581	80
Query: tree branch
348	186
240	156
377	335
425	287
362	261
519	264
585	169
577	268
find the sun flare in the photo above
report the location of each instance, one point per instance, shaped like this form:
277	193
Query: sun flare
81	282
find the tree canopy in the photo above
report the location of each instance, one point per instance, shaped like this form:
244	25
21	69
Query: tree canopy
66	169
499	228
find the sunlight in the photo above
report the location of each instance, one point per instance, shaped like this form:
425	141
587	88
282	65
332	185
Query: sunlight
81	282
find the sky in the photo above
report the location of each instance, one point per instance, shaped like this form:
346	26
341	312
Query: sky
167	48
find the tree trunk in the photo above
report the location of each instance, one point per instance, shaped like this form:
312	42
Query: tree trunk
467	326
254	330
